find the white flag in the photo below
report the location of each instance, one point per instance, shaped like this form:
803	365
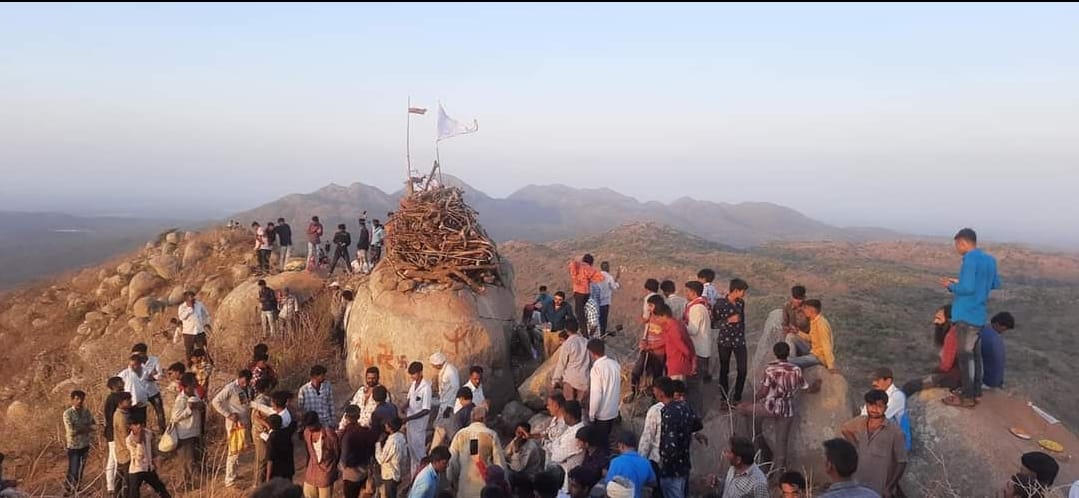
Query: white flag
449	127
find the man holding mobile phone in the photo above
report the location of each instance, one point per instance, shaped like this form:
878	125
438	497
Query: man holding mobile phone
473	449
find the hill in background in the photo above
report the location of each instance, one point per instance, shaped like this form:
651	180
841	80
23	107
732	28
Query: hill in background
549	212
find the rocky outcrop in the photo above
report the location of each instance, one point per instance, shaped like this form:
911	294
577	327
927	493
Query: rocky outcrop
195	251
142	284
166	266
146	307
176	296
964	452
236	319
534	390
389	329
818	415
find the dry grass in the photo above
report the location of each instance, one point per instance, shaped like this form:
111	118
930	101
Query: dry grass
34	446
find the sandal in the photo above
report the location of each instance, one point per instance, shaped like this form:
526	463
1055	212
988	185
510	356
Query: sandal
953	400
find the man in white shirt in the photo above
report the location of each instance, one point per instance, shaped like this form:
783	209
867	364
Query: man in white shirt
234	403
392	456
556	406
417	410
187	416
697	318
449	381
896	412
196	323
152	371
571	367
475	383
465	471
565	451
605	388
364	399
136	383
606	292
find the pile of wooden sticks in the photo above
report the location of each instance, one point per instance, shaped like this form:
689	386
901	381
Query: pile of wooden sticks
434	238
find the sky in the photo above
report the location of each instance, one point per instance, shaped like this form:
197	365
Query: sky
920	117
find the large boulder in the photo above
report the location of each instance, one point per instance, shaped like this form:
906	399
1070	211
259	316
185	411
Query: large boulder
818	416
389	328
195	251
166	266
534	390
176	296
142	284
238	315
964	452
126	269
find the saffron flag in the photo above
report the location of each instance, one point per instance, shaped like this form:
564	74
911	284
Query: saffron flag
449	127
417	110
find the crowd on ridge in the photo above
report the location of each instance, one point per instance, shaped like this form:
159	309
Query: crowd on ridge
436	442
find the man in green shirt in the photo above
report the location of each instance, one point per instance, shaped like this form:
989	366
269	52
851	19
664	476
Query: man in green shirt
78	426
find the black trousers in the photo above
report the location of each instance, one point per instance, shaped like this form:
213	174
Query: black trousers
354	488
604	312
734	396
135	481
264	259
604	427
342	254
578	308
648	362
159	411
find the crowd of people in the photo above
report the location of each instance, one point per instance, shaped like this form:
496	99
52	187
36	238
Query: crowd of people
321	254
437	441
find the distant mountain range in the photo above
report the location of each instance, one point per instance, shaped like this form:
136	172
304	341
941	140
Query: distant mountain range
538	213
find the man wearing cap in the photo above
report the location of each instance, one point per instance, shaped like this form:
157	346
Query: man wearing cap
897	401
449	381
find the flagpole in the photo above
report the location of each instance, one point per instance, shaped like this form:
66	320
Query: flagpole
438	160
408	148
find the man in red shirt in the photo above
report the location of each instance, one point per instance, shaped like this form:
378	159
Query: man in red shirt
681	357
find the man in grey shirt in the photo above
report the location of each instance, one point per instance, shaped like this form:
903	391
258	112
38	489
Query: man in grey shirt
880	444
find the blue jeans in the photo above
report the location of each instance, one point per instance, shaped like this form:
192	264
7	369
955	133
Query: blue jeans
76	463
673	487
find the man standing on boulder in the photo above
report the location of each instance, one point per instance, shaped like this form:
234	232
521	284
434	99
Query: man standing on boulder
341	242
363	244
314	241
262	248
378	233
196	322
583	275
284	239
977	278
268	305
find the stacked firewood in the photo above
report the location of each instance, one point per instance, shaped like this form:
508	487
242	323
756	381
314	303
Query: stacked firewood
434	238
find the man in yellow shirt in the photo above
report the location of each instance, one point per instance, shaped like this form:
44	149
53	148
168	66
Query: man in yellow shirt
815	347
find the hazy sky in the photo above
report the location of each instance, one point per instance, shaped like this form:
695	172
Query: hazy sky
916	117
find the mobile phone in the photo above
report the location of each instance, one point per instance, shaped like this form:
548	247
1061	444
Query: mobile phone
474	447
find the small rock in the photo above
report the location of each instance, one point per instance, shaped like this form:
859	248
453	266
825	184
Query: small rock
195	251
18	412
172	238
137	324
142	284
146	307
514	413
39	323
176	296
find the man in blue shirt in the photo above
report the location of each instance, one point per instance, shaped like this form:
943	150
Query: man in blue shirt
977	278
992	346
426	483
631	465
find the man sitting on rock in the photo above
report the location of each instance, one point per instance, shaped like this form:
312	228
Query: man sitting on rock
991	340
947	372
813	348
